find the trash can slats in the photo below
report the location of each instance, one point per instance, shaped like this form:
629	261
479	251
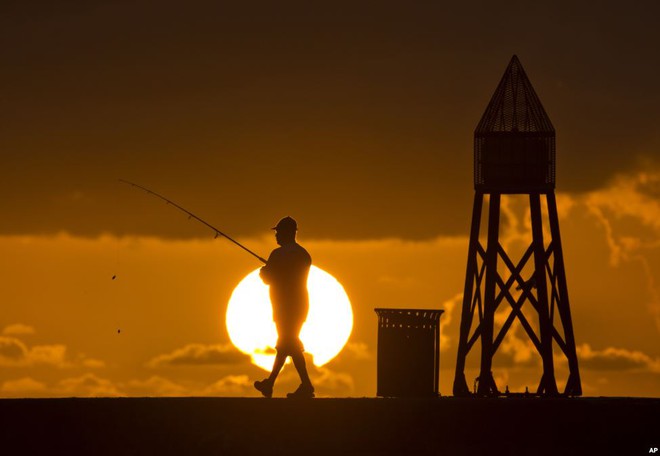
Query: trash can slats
408	352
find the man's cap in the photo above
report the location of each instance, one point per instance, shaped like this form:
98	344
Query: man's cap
286	224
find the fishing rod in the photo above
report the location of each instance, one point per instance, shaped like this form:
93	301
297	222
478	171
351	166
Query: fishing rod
191	215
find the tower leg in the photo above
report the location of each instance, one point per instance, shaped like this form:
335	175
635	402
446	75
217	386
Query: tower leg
573	385
481	284
548	385
487	385
460	385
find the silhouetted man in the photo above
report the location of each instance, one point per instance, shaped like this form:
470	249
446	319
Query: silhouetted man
286	272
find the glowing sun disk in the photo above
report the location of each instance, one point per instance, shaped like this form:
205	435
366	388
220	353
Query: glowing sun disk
252	330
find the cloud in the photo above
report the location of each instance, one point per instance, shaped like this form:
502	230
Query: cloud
516	349
629	213
54	355
18	329
446	318
358	350
522	351
93	363
201	355
565	204
14	353
22	387
87	385
635	195
327	381
231	385
616	359
156	386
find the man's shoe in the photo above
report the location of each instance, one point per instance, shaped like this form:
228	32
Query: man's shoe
303	392
264	387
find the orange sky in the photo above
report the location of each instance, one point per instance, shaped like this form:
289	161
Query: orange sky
355	120
169	299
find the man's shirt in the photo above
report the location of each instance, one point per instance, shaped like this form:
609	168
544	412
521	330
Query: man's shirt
286	272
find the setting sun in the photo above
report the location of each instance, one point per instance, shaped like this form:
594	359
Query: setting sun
252	330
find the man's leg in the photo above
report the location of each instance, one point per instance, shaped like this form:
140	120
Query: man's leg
305	390
266	386
299	362
280	359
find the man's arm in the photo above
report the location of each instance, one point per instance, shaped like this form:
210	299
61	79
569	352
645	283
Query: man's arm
266	272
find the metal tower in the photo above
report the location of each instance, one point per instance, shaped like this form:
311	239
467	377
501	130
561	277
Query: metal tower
514	153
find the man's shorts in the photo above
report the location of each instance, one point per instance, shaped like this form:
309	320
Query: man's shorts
288	340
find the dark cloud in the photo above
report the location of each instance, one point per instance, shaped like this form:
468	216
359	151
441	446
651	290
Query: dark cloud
15	353
616	359
12	349
355	118
200	355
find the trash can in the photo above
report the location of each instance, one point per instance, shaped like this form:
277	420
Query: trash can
408	352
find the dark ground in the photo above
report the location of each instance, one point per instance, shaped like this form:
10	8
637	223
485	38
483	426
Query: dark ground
369	426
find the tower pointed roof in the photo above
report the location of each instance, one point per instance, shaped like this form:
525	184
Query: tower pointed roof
514	107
